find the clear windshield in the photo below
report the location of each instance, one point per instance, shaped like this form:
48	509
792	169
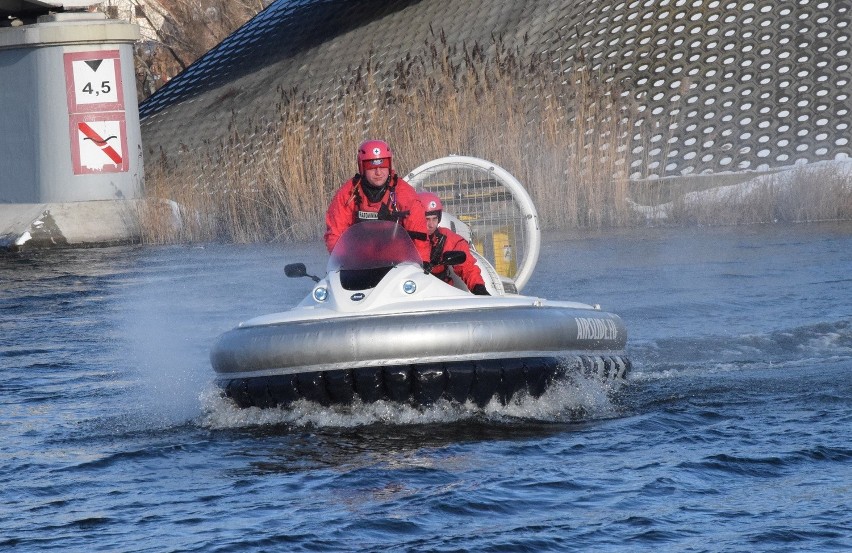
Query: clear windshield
373	244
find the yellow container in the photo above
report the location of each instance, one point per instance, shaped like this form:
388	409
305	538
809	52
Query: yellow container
505	261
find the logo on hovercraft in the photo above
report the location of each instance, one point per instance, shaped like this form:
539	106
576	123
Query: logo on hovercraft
596	329
358	296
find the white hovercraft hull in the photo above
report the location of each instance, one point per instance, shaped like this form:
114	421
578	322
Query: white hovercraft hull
419	357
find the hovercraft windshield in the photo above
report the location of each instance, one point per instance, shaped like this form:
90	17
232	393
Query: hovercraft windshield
368	250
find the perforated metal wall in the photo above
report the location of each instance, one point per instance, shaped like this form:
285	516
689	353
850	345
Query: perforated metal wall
726	85
720	85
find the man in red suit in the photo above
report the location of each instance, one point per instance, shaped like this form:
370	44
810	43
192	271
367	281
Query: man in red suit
376	193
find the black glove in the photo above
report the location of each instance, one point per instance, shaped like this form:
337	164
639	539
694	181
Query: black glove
480	290
385	214
427	267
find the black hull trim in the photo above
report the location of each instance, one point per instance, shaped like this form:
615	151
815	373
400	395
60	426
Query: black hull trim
422	384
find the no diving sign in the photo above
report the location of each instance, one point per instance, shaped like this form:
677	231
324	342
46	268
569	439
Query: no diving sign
99	143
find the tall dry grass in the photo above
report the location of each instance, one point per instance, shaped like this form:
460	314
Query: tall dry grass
565	134
561	134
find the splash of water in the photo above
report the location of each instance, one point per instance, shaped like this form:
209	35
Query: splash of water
572	399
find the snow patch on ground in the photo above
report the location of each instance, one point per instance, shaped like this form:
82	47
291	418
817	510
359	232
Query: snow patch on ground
781	181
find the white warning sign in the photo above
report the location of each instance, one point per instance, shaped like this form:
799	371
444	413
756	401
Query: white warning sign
93	80
99	143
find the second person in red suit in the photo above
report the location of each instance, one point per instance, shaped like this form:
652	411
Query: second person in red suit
442	239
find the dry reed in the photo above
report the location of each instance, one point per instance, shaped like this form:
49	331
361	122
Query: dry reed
566	135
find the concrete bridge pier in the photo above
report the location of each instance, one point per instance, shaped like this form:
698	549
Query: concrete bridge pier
71	170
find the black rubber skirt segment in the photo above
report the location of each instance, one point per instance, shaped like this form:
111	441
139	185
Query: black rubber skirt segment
423	384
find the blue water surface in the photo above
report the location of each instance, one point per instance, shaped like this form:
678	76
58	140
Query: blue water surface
732	434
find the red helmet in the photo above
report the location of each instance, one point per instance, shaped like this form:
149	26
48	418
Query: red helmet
431	203
372	154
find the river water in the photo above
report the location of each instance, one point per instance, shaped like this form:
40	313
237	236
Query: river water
734	432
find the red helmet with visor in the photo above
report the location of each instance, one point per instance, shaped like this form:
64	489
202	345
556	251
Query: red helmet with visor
373	154
431	203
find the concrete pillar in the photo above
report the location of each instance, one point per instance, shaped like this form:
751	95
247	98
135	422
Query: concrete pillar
69	130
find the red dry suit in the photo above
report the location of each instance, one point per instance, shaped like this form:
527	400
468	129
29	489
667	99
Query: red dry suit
398	201
444	239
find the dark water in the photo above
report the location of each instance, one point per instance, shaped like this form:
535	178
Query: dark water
733	434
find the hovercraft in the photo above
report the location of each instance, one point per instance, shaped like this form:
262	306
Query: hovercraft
377	327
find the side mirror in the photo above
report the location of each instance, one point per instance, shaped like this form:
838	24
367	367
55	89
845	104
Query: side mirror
297	270
453	257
